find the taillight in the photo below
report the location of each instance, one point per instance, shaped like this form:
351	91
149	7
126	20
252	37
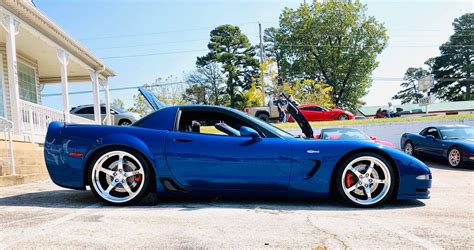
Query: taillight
246	110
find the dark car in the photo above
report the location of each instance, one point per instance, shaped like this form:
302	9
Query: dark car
454	143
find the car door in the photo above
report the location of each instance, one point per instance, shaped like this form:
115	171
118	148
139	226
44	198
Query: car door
222	162
313	113
430	143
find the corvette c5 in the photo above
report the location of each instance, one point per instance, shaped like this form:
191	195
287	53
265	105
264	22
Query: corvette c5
168	152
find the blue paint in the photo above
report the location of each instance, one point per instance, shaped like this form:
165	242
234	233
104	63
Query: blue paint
273	165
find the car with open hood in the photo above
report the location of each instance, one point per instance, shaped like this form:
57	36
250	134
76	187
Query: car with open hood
170	153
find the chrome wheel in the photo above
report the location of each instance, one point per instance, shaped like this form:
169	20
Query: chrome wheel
343	117
454	157
118	176
366	180
408	148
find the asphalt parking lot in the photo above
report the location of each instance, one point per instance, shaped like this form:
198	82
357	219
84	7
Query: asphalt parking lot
44	215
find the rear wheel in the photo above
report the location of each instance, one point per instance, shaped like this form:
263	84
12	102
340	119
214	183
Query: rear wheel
454	157
124	122
343	117
119	177
264	117
365	180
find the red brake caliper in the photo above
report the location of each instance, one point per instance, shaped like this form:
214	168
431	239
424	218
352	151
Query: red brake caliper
138	178
350	179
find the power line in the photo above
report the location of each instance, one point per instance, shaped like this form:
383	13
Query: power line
153	54
154	33
117	89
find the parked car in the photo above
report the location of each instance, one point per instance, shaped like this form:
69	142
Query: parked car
349	134
455	143
166	153
264	113
120	117
314	112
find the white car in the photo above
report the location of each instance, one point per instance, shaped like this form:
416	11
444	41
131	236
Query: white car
120	117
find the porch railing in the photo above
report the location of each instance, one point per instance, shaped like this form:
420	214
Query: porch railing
35	119
6	126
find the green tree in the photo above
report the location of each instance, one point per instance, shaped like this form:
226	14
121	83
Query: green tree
117	102
453	69
410	92
309	92
206	85
229	47
335	42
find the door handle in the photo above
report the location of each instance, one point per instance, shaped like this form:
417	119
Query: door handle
183	139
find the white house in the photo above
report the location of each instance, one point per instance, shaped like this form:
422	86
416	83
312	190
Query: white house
35	51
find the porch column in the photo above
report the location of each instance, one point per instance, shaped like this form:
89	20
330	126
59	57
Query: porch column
95	92
105	85
11	25
63	60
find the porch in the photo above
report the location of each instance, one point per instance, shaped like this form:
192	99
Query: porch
34	52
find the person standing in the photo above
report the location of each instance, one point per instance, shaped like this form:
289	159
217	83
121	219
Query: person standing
281	105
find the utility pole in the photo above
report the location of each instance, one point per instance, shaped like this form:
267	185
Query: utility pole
262	77
261	41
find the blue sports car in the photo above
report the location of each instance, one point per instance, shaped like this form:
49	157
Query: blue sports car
454	143
198	150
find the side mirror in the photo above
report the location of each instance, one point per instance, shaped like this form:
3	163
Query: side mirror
249	132
373	138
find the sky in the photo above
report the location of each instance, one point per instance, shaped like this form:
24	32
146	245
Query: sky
123	34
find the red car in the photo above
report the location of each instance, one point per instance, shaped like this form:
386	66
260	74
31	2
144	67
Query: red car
349	134
314	112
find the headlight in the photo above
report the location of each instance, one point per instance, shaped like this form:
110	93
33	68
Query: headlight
423	177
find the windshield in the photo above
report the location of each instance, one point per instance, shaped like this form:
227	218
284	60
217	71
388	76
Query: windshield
118	109
343	134
457	133
278	131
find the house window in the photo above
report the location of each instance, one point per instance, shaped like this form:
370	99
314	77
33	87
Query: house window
27	83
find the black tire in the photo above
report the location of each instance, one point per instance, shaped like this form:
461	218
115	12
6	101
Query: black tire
454	163
263	116
124	122
407	146
343	117
146	177
385	191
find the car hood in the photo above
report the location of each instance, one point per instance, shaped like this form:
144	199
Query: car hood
154	102
299	118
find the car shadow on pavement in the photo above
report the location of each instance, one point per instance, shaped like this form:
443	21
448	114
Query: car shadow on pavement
83	199
440	164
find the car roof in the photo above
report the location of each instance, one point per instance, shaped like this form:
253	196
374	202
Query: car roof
453	126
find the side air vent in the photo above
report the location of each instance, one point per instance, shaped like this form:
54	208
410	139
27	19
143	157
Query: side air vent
313	171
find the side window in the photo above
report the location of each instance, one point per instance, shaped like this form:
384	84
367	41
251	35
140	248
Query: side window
315	108
102	110
433	132
210	122
85	111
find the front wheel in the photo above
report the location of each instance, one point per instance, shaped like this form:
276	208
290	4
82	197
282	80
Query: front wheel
409	149
343	117
454	158
365	180
119	177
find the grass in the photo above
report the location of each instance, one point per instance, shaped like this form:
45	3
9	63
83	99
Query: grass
379	121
